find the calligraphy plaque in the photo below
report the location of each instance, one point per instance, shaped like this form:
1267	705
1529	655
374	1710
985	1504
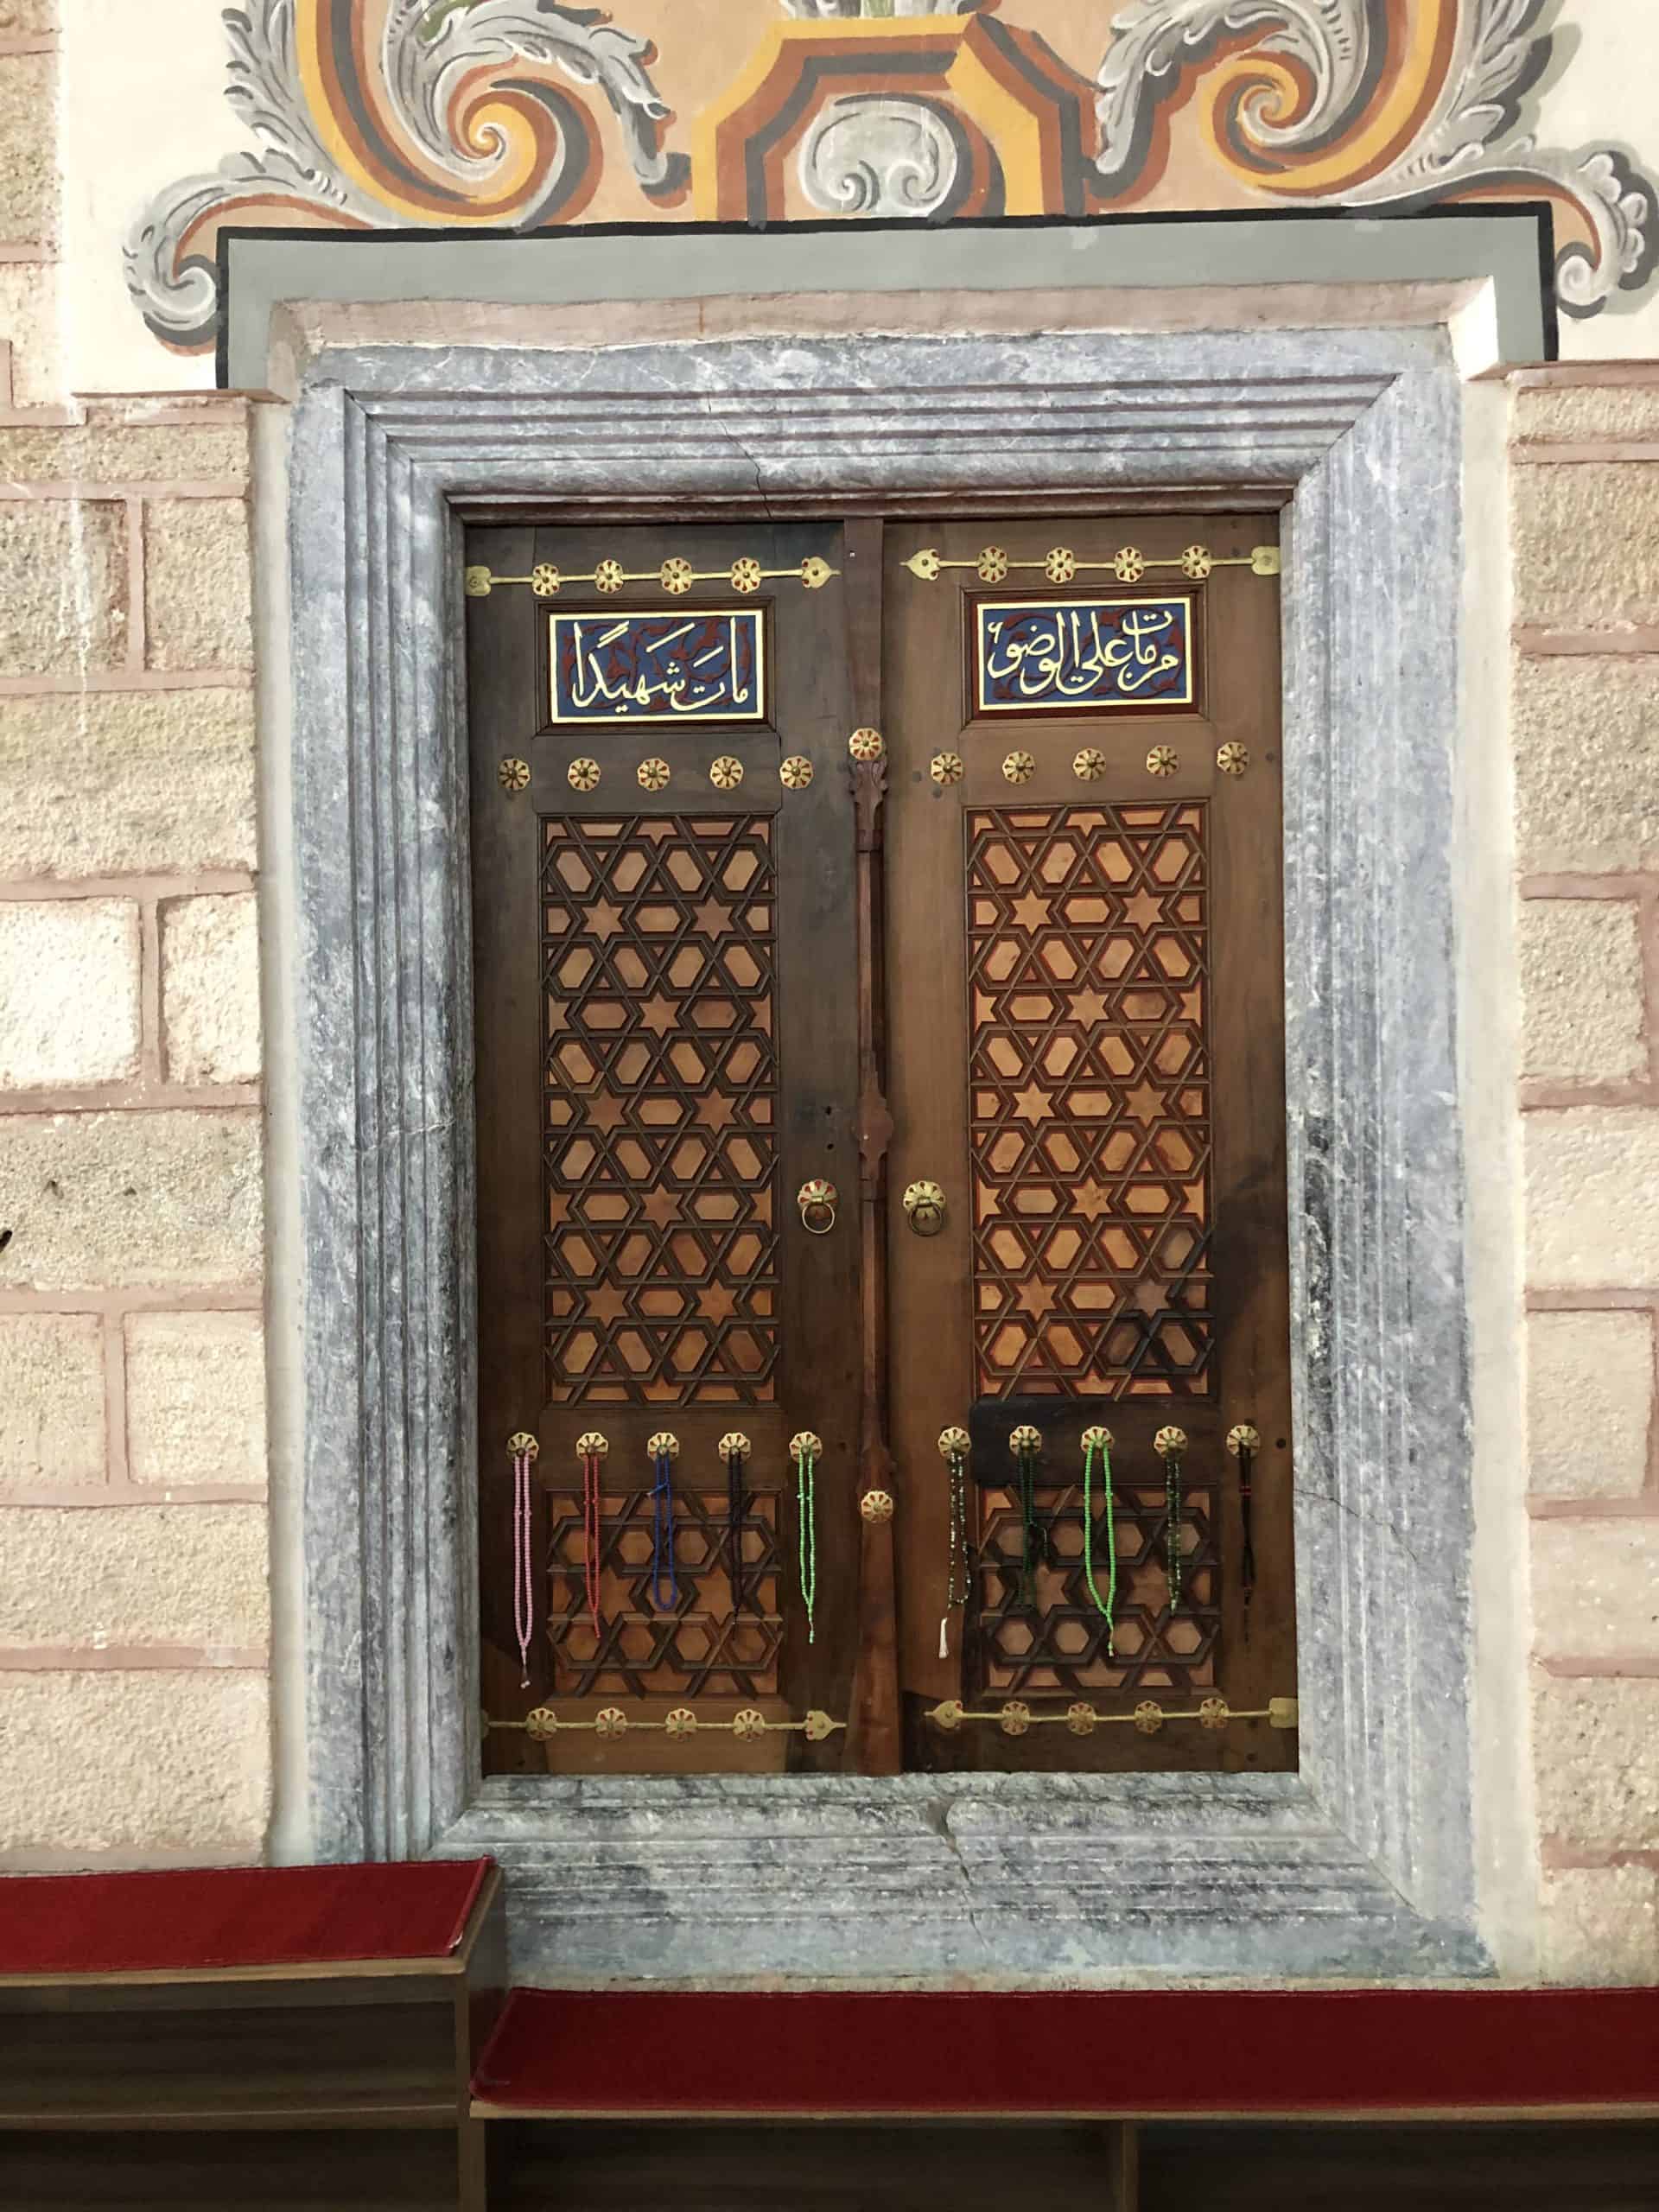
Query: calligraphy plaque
700	665
1083	656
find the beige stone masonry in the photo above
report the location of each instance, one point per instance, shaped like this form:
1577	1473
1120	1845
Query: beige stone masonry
1590	1385
1596	1748
1586	545
64	608
29	178
1576	414
195	1397
173	1575
1600	1926
1596	1588
104	1199
28	324
1583	990
96	784
1592	1195
1586	732
198	598
52	1399
158	450
27	18
210	989
69	998
127	1764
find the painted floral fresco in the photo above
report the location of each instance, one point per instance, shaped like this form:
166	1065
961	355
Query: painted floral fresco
526	114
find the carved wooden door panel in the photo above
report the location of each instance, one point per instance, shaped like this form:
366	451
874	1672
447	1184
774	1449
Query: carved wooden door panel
1086	1059
666	1031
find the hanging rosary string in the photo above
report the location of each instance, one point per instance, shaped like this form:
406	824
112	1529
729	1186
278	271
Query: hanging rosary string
592	1449
1170	1443
1244	1442
524	1448
1028	1443
734	1449
803	1449
953	1448
662	1450
1100	1440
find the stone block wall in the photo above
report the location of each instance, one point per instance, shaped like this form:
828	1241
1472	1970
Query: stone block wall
133	1604
1585	517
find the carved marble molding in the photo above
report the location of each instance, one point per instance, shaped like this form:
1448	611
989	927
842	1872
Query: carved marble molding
501	114
1363	1863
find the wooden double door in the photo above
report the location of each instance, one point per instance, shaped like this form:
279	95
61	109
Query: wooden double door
883	1322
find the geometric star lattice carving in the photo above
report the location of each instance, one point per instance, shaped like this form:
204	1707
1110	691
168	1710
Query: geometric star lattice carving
660	1155
702	1648
1089	1101
1060	1644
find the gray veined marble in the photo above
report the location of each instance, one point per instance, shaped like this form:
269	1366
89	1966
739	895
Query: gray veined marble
1361	1865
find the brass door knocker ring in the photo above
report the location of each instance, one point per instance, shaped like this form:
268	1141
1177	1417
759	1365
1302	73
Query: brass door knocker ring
816	1199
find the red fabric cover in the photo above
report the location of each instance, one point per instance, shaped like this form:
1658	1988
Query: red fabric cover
234	1916
1132	2052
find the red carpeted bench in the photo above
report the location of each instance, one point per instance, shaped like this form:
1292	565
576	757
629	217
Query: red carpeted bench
163	2037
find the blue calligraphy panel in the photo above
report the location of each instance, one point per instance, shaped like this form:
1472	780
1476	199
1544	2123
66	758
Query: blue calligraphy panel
696	666
1082	656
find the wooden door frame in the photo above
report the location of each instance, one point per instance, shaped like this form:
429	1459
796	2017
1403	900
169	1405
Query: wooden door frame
1364	1862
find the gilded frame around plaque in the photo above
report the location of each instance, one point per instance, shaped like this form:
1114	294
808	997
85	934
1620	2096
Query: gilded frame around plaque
978	605
612	621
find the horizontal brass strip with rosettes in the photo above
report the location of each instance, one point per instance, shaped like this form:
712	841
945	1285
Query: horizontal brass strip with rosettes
745	575
1060	565
541	1723
1016	1717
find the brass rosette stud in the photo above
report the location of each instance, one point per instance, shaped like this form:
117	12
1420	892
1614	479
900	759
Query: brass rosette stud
818	1727
796	773
541	1724
993	565
1169	1443
746	574
590	1444
803	1444
676	576
1162	761
513	775
1242	1438
1213	1713
734	1445
867	745
952	1440
522	1445
726	774
1014	1717
682	1721
1061	566
1148	1717
608	577
610	1724
1080	1720
582	775
1018	767
1099	1437
1128	564
653	774
748	1723
876	1505
664	1446
1197	560
1232	759
1026	1438
945	768
544	579
1088	765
